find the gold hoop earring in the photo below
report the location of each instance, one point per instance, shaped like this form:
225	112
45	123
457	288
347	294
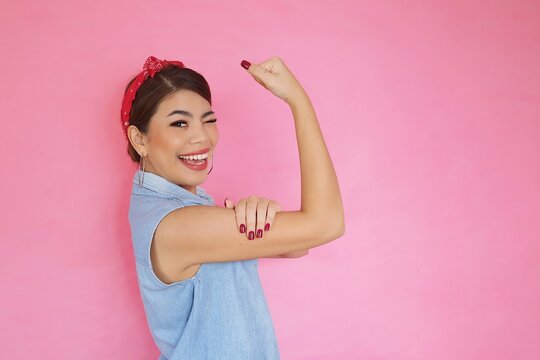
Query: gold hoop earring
141	181
212	165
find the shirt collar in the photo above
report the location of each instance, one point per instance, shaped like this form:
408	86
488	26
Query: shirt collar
159	184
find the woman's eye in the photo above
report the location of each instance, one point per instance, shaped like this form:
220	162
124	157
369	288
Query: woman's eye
185	122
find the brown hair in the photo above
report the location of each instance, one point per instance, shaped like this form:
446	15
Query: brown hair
154	90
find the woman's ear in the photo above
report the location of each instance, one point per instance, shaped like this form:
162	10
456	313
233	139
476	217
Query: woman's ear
137	139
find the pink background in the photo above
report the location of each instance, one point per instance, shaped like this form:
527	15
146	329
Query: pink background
430	111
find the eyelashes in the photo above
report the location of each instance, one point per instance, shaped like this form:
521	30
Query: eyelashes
185	122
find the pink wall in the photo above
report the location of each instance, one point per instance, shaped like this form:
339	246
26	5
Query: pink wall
431	113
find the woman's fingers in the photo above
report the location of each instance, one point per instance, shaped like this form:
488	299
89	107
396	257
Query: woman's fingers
262	206
254	215
240	212
273	208
228	203
276	77
251	216
264	73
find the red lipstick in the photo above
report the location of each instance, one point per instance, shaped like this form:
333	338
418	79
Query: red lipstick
203	151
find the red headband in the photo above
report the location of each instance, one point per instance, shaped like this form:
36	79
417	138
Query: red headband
152	65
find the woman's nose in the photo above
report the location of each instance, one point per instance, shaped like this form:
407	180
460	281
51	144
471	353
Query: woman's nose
199	135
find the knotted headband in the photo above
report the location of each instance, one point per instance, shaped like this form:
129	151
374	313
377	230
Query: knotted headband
151	66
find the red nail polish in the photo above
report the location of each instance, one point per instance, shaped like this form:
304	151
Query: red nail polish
259	233
245	64
242	228
267	227
251	235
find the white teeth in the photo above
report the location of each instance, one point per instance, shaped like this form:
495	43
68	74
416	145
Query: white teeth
195	157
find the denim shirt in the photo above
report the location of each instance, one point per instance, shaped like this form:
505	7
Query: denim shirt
220	312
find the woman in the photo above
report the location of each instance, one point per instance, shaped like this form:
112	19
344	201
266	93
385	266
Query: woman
197	263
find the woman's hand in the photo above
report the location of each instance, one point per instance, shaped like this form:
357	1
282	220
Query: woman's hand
274	75
253	214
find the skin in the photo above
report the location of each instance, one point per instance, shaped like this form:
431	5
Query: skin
171	135
166	138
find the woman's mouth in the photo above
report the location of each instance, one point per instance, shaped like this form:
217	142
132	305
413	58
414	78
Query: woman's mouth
194	164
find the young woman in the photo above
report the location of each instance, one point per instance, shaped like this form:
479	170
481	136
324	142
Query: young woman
197	263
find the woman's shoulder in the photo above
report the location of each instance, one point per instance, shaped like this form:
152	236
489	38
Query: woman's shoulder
201	192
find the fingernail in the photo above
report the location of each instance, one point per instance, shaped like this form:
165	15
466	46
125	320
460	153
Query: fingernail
267	227
225	202
242	228
259	233
245	64
251	235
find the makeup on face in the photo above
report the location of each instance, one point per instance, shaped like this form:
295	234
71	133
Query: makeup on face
197	160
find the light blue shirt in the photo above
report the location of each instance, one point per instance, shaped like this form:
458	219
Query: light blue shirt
221	312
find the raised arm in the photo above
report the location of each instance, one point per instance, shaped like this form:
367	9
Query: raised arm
198	234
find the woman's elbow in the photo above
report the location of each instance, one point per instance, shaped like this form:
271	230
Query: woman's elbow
336	233
296	254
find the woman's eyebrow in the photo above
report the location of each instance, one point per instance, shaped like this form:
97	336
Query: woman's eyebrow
187	113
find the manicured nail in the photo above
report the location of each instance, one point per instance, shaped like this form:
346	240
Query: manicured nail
267	227
259	233
242	228
251	235
245	64
225	202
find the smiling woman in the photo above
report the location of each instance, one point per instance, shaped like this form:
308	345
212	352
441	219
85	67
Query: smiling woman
198	275
171	133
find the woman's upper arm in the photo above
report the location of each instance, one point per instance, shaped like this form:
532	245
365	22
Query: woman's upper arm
202	234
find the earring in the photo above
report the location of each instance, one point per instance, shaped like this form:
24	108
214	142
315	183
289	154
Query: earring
212	165
141	181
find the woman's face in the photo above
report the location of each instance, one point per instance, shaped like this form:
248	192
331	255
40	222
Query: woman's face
184	123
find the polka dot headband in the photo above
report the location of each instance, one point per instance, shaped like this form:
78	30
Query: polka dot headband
151	66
